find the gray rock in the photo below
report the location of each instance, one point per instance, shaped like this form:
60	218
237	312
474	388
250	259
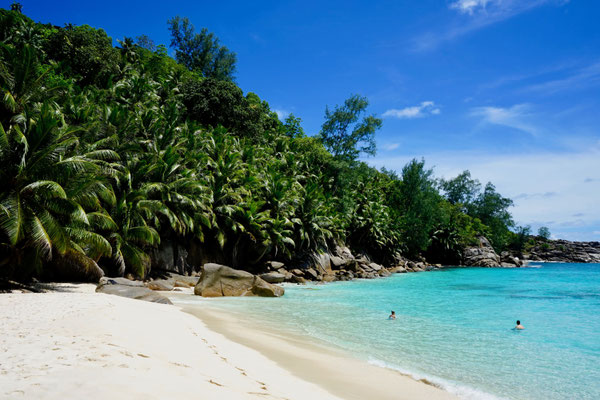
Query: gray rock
130	289
274	265
184	281
219	280
297	272
273	277
119	281
344	252
375	267
322	262
297	279
311	273
337	262
482	255
161	284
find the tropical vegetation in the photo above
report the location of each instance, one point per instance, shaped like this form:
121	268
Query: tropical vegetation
109	152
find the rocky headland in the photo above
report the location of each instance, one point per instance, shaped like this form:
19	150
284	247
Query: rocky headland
214	280
561	251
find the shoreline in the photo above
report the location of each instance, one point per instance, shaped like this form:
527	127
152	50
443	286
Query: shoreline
98	346
75	343
317	362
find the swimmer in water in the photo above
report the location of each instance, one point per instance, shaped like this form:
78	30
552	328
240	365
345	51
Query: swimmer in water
392	315
519	326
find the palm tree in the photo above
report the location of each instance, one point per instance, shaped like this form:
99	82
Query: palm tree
41	181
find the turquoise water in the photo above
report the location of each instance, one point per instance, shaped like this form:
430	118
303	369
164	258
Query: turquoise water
453	327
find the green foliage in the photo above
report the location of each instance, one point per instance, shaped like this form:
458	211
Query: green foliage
214	102
544	232
462	189
418	200
293	126
492	210
145	42
84	53
108	153
344	134
521	238
201	52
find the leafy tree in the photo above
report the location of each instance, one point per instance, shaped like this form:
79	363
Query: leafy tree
45	185
418	202
145	42
108	153
345	134
462	189
16	6
84	52
201	52
293	126
544	232
492	209
214	102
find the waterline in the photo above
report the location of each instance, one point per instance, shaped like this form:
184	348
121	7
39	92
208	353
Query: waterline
454	327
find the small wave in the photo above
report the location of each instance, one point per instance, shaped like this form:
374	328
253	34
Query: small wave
533	266
462	391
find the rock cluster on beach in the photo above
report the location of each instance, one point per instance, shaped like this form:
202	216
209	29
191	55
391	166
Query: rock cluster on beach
219	280
215	280
132	289
484	255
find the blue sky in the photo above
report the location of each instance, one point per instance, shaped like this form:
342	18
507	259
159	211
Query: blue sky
508	89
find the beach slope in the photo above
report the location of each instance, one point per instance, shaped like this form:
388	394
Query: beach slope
97	346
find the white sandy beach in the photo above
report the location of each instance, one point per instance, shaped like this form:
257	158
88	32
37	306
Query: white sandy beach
95	346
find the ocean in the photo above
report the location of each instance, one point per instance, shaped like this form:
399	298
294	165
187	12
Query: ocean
454	327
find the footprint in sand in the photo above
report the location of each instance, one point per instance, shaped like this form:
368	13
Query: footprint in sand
215	383
143	355
180	365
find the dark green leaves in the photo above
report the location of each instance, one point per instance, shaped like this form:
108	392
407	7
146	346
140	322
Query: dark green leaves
201	52
344	133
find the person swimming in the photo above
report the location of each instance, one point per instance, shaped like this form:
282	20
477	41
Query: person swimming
519	326
392	315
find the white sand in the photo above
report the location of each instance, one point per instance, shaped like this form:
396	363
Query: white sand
330	368
97	346
94	346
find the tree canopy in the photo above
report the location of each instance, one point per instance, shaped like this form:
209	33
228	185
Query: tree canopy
201	52
345	134
111	153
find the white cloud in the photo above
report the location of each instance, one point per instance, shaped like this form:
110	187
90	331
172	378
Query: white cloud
469	6
546	187
518	117
583	78
281	114
422	110
480	14
499	8
390	146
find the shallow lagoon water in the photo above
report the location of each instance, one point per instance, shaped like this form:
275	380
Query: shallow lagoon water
454	326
